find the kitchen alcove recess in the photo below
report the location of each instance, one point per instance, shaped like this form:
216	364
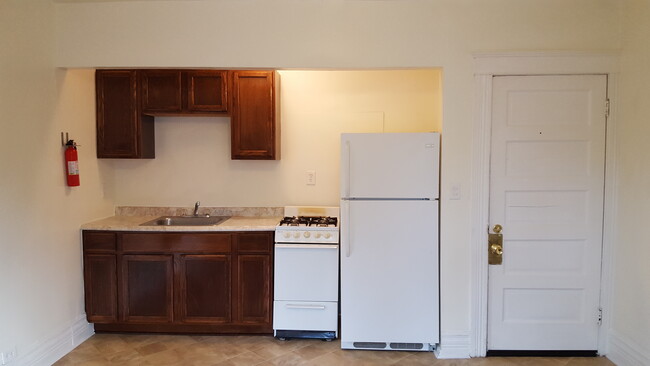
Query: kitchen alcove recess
178	282
128	100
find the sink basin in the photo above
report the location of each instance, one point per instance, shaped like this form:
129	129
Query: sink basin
186	221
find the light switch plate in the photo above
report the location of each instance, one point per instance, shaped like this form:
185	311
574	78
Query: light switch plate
454	192
311	178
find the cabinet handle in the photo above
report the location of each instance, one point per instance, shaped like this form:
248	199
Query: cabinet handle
312	307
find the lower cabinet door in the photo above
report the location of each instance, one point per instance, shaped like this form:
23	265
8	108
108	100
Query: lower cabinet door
146	291
204	289
253	289
100	283
305	315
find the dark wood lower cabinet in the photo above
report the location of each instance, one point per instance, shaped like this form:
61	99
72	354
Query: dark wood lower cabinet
253	289
146	290
204	289
179	282
100	276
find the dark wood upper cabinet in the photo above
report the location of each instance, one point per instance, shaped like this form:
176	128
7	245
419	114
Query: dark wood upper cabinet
128	100
161	91
182	92
254	119
207	91
122	131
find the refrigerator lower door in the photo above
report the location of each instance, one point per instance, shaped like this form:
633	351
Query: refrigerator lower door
389	275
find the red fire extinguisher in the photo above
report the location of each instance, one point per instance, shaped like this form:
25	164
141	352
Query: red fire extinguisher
71	164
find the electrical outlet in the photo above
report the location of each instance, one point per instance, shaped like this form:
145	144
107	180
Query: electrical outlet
454	192
311	178
8	356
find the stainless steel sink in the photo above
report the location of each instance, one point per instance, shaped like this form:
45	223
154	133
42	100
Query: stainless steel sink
186	221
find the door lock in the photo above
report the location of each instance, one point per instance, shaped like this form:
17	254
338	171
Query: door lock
495	245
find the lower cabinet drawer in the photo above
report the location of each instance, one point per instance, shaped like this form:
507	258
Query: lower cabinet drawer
305	315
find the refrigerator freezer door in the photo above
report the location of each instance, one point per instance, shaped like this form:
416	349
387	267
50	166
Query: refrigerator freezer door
389	272
390	165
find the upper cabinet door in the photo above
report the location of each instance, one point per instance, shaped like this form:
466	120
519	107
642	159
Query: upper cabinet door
122	132
161	91
254	130
206	91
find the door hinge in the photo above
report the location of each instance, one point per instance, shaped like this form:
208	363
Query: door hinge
607	108
600	316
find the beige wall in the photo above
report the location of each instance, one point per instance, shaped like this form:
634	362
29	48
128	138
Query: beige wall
193	154
40	253
43	263
345	34
631	317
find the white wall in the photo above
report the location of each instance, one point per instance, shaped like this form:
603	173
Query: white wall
193	154
40	253
631	321
345	34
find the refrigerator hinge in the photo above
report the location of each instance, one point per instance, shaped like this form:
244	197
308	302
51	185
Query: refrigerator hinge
600	316
606	108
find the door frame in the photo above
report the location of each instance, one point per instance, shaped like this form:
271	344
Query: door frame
486	66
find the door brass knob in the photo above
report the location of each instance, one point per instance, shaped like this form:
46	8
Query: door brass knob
497	228
496	249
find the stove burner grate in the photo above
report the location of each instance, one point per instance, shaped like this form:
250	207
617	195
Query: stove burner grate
321	221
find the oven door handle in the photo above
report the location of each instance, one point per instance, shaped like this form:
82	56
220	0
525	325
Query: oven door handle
311	307
306	246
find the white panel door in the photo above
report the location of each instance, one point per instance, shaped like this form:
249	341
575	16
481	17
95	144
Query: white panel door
546	190
390	165
389	272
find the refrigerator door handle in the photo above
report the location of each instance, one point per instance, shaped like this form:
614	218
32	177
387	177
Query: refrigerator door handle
348	229
347	183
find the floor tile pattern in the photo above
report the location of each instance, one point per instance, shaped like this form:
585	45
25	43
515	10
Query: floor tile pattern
198	350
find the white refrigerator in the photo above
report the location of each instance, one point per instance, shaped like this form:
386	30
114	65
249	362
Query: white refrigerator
389	241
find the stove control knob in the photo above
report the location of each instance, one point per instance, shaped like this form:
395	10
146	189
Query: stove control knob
317	235
287	235
306	234
327	235
296	235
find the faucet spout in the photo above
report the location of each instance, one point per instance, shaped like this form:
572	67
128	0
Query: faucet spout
196	208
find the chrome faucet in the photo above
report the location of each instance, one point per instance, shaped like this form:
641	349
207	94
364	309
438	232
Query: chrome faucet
196	208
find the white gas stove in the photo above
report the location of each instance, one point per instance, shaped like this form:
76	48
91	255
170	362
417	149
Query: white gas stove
317	225
305	301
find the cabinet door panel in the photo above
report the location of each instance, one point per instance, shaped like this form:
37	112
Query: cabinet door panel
146	292
100	285
206	91
204	288
253	121
254	289
161	91
122	132
117	119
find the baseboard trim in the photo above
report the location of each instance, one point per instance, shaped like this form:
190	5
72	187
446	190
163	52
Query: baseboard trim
541	353
61	343
625	352
453	346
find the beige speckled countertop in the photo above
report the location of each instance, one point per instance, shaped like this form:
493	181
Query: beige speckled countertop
235	223
129	218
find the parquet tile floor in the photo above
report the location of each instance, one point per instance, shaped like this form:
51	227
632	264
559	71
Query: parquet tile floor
196	350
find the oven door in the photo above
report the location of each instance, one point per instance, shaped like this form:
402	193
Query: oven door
306	272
